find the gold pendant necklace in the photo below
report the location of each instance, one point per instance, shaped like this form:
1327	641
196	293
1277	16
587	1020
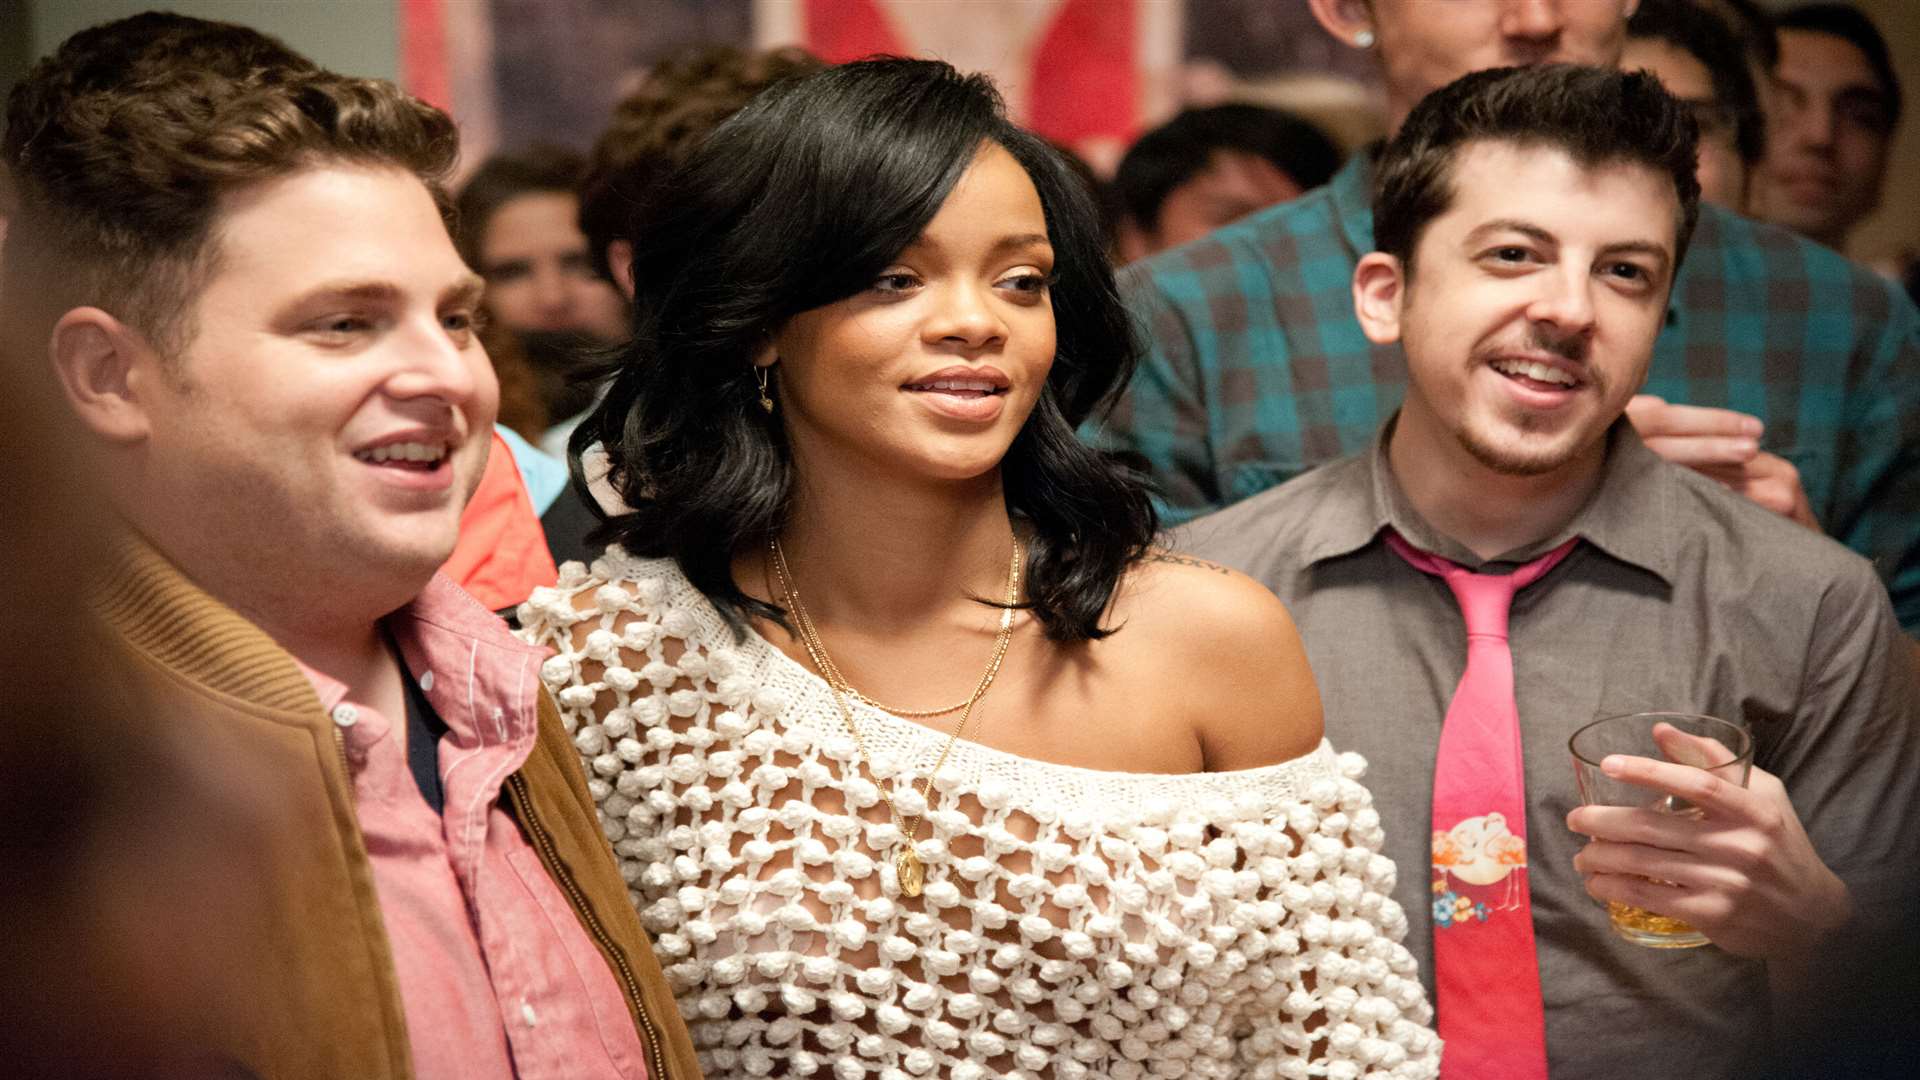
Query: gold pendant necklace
913	876
907	866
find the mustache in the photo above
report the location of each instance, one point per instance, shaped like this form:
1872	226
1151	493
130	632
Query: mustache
1574	347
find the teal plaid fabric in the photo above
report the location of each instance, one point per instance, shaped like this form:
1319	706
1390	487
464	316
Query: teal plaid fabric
1256	370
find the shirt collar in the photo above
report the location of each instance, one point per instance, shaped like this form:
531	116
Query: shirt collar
483	681
331	690
1628	516
1352	191
152	605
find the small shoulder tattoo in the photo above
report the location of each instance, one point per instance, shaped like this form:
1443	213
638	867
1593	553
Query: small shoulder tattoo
1185	560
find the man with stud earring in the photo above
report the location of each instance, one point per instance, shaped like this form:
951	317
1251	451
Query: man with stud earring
1782	370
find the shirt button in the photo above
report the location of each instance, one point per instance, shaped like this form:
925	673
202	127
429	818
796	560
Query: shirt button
346	715
527	1013
426	681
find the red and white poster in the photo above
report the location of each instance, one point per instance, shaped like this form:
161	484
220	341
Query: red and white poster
1084	73
1088	74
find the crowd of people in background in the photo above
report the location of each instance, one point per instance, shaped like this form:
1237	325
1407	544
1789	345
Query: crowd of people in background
1797	114
463	611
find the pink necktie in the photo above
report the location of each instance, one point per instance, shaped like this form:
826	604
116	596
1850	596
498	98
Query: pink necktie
1485	971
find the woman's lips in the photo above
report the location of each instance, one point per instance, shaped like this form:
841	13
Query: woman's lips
972	403
962	391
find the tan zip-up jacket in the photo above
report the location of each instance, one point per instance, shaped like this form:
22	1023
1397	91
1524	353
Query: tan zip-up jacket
324	1001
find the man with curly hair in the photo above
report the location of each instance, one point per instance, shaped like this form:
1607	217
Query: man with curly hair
239	267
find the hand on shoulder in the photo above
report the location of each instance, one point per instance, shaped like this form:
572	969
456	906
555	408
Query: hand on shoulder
1241	669
1724	445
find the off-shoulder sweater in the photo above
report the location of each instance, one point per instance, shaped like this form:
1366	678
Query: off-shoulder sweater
1074	923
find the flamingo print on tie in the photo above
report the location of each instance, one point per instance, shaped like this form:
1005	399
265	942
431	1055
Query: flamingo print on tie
1485	968
1469	861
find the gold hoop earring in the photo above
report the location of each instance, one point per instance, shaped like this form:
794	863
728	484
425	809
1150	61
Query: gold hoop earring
760	376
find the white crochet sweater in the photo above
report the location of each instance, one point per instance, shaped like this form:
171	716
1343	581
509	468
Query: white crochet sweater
1075	923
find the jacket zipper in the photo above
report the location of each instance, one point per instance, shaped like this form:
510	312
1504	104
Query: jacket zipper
656	1066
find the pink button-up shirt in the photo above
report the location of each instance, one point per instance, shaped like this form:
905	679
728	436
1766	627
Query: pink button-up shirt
497	976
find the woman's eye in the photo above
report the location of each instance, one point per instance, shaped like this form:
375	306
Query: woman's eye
1511	254
894	283
1027	282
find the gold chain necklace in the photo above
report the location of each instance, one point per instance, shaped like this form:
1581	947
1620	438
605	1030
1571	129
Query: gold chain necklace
906	862
817	649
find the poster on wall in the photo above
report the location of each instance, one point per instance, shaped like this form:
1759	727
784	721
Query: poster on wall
1088	74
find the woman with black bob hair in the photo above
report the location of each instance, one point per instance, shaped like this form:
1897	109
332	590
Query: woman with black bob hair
802	203
870	314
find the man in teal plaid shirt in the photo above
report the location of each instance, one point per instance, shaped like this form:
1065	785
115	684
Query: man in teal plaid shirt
1800	372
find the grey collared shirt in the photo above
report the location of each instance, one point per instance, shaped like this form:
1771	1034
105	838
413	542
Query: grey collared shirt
1681	597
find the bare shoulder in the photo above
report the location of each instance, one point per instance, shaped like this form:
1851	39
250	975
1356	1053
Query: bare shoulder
1232	648
1208	604
1156	561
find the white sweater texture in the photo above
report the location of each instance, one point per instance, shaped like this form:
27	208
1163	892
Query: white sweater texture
1074	924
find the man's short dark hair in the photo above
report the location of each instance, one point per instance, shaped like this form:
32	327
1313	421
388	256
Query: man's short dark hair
122	143
1850	25
503	178
1180	149
1709	39
1597	116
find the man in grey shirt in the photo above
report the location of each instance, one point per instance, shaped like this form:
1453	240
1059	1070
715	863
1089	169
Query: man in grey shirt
1530	224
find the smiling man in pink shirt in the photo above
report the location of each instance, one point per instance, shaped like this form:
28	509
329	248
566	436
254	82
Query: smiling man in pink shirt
238	266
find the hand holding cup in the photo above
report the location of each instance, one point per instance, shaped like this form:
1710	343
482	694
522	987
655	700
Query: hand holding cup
1688	830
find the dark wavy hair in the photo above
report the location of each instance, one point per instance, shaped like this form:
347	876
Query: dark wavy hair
798	201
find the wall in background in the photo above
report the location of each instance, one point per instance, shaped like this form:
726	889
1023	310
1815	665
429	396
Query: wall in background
16	42
362	37
1896	228
358	37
